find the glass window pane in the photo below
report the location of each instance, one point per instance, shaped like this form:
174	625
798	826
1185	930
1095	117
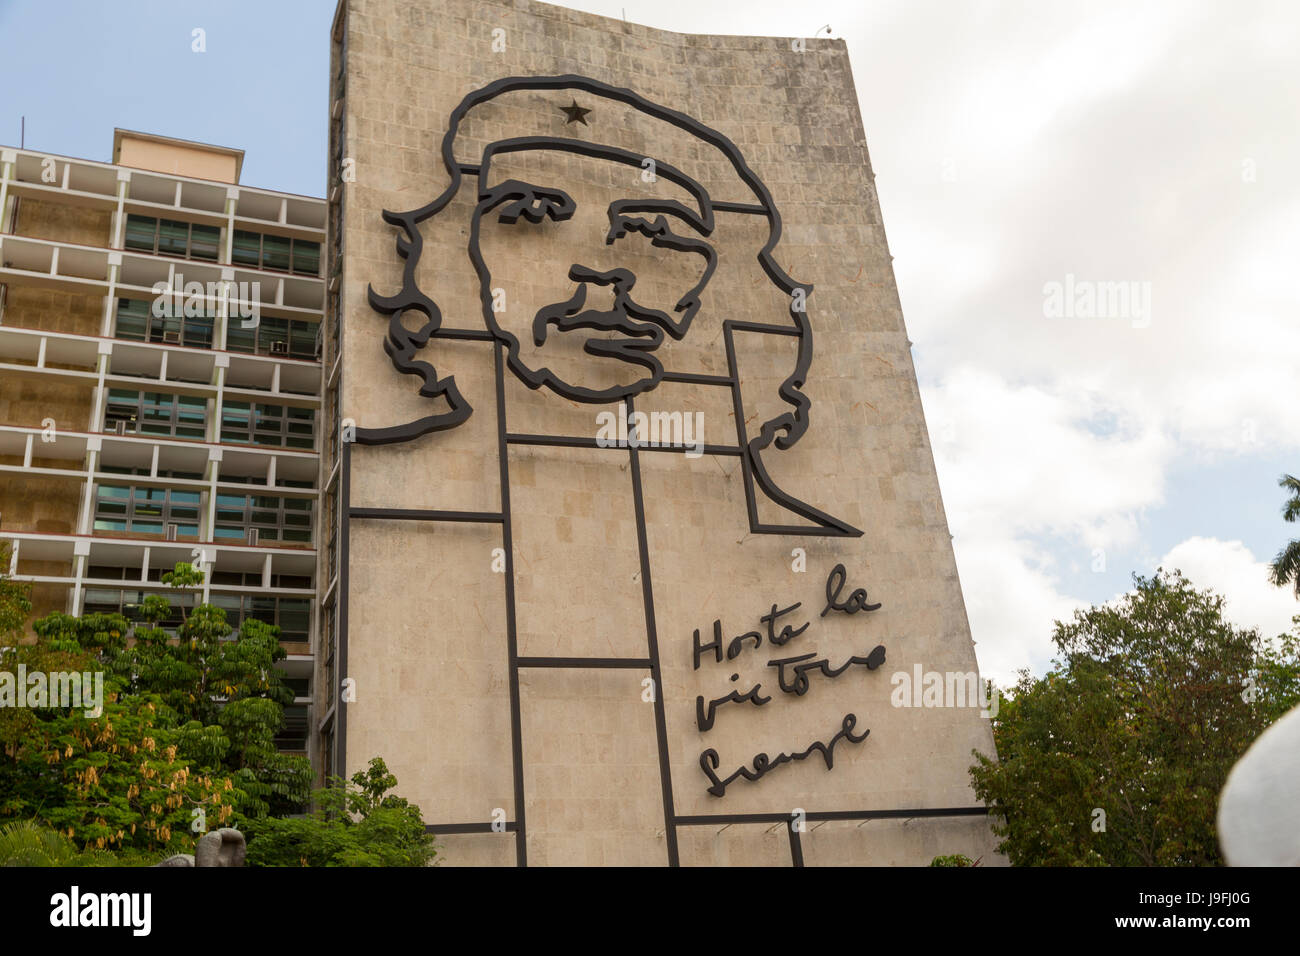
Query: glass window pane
302	340
198	333
204	241
132	319
262	608
270	331
295	618
275	253
158	327
306	257
140	232
173	237
240	339
247	248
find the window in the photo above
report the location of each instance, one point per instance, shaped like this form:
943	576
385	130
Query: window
147	472
253	579
277	253
293	729
306	257
146	511
329	625
326	757
291	615
156	413
298	338
276	519
279	425
170	237
132	575
205	242
141	233
127	603
247	249
173	238
137	323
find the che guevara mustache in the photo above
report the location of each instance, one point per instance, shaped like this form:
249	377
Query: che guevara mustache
627	317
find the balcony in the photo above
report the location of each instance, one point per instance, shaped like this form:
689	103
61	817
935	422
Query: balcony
89	183
106	550
242	469
162	368
69	267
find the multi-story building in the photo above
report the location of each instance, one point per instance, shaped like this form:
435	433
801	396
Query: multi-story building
160	386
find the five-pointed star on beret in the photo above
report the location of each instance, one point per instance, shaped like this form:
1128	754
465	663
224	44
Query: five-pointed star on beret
575	112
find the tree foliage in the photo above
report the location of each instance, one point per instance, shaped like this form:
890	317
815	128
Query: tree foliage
354	823
1285	568
25	843
15	599
188	724
1118	755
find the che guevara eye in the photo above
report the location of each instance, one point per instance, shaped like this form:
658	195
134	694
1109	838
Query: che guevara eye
535	206
621	224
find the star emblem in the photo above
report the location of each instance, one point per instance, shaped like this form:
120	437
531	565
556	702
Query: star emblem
575	113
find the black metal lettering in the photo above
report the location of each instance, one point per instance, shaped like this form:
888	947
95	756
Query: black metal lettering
787	632
762	764
715	645
856	602
704	716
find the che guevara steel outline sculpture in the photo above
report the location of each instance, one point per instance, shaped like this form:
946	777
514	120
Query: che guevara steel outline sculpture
402	344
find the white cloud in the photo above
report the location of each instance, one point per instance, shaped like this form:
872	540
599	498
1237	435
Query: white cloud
1022	459
1011	600
1017	462
1230	569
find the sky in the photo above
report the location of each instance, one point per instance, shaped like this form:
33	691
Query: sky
1030	158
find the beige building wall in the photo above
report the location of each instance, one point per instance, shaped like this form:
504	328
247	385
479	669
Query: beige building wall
41	503
62	222
166	155
428	602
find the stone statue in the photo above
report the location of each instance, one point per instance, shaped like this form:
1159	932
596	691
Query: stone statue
224	847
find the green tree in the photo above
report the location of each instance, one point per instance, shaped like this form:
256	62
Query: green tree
15	599
226	691
117	780
1118	755
354	823
27	844
188	724
1285	568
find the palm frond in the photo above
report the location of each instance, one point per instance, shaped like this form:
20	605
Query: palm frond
1285	568
1291	510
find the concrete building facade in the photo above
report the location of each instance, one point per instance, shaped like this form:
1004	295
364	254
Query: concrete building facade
616	567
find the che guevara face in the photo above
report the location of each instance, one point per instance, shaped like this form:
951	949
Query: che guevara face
589	269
